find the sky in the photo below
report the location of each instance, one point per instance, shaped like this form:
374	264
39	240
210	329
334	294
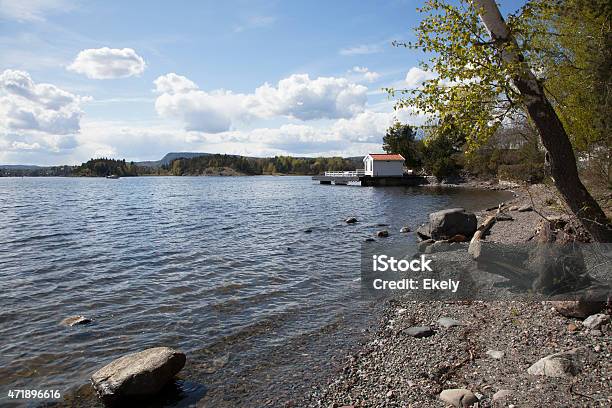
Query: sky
139	79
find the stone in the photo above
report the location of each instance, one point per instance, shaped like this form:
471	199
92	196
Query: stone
215	364
496	354
418	331
438	246
369	240
458	397
448	322
525	208
513	208
404	230
424	231
501	395
578	308
137	375
596	321
448	223
595	333
503	217
75	321
572	328
424	244
351	220
382	233
565	364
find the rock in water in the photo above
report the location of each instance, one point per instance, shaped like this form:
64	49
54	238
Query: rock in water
75	320
419	331
596	321
382	233
351	220
564	364
459	397
137	375
424	231
215	364
405	230
448	223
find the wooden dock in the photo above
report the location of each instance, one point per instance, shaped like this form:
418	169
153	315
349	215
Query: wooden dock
345	177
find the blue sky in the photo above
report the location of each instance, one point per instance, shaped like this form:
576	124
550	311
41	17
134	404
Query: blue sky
138	79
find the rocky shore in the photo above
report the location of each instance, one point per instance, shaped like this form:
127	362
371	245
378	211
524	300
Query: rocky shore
484	353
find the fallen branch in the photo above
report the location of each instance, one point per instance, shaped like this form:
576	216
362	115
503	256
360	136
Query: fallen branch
475	246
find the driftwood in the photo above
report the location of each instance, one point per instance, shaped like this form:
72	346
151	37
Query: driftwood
475	247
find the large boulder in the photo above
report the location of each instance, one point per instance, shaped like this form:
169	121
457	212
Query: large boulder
446	224
137	375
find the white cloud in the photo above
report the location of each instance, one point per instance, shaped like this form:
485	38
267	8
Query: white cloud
201	111
363	73
255	22
361	49
303	98
416	76
172	83
365	129
37	116
297	97
44	107
32	10
108	63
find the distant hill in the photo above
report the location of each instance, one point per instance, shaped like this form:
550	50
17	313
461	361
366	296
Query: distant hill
167	159
19	167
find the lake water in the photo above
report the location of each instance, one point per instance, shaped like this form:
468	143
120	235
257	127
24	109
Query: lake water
221	268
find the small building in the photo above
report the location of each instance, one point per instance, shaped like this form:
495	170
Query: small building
383	165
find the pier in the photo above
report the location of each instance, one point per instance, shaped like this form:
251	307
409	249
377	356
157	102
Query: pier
358	176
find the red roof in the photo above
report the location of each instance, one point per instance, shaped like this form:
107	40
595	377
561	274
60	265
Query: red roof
383	156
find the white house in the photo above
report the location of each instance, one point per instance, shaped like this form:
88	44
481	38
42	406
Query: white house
383	165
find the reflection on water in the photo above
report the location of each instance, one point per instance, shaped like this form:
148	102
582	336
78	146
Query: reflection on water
203	264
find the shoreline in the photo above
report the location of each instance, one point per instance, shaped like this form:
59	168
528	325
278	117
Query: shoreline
488	352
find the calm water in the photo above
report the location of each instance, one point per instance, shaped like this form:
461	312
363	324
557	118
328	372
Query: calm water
222	268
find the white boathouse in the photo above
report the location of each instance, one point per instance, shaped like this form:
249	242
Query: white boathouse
383	165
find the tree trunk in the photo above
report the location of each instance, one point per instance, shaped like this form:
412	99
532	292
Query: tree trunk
552	133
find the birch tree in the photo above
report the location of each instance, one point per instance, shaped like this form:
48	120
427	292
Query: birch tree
483	76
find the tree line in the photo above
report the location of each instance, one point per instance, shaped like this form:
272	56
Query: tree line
202	165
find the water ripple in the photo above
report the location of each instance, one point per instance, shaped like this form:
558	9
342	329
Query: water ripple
197	263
